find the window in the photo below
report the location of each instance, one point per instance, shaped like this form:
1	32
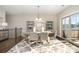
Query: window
70	26
66	23
71	22
75	21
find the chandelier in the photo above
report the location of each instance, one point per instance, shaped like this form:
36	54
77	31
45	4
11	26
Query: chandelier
39	23
38	18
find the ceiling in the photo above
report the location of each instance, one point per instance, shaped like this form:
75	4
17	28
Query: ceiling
32	9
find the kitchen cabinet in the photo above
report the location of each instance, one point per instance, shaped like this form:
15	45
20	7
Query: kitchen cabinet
13	37
3	34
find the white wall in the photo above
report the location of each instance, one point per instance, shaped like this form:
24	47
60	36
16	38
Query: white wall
67	12
20	20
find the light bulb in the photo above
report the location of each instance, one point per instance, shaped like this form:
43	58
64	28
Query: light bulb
40	19
4	24
36	18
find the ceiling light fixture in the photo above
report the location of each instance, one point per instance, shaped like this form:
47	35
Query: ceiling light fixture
38	18
4	24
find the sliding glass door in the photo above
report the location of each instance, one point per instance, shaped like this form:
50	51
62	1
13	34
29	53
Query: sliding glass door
70	27
65	27
75	26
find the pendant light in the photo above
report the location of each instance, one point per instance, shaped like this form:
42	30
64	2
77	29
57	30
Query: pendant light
38	18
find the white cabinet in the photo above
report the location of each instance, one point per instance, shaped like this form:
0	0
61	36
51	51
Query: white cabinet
30	26
39	26
2	18
49	25
3	34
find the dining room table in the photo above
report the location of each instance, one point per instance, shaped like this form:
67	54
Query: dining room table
39	34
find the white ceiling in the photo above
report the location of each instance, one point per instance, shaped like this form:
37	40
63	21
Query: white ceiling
32	9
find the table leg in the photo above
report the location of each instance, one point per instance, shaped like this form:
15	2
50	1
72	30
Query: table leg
48	39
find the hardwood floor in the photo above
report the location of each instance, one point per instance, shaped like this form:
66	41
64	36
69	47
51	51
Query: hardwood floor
8	44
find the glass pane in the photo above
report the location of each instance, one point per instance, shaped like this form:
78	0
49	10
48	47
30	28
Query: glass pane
63	21
75	21
67	20
66	23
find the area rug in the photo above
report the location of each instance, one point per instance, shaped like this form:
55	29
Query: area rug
55	46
